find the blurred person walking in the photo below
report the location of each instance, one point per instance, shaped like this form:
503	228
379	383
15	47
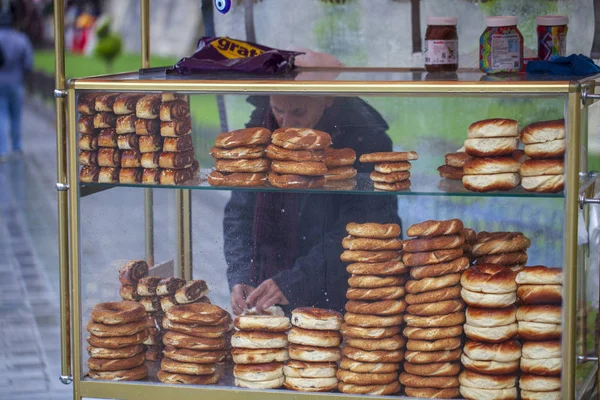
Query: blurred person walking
16	59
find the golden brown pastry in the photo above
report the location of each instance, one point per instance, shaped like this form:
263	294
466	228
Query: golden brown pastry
89	174
128	142
109	157
130	175
85	125
107	138
126	124
176	160
88	142
131	159
175	176
216	178
125	103
88	157
151	176
150	143
105	120
174	110
109	175
178	144
104	102
148	107
147	126
86	104
176	128
150	160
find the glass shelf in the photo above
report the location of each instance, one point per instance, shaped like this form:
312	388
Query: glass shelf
422	185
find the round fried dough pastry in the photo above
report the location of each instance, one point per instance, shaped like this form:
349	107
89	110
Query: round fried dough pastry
493	127
316	318
259	340
420	245
352	243
499	242
292	181
448	293
431	271
373	230
443	307
413	333
117	342
431	257
127	329
123	352
195	356
279	153
539	331
385	293
258	372
484	381
339	157
435	345
340	174
543	131
236	153
202	331
241	165
434	369
178	367
353	256
376	390
541	314
435	321
183	341
134	374
372	321
384	307
384	268
301	369
377	356
310	168
544	349
541	366
388	168
539	383
391	156
489	278
428	357
265	323
517	257
430	284
487	300
372	281
395	342
243	137
392	177
369	333
115	313
495	334
438	382
487	318
506	351
301	139
540	294
540	275
431	393
365	368
314	354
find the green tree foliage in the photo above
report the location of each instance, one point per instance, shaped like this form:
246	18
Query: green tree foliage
108	46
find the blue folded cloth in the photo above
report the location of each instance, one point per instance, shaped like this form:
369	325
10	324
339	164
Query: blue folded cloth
573	65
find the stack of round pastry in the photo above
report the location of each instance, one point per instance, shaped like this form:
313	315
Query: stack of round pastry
508	249
259	349
340	168
194	344
435	311
490	354
314	350
540	325
454	165
117	331
298	158
470	238
240	158
146	291
391	169
545	145
374	309
491	143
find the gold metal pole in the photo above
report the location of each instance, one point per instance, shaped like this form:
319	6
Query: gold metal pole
62	187
570	268
74	242
183	201
148	193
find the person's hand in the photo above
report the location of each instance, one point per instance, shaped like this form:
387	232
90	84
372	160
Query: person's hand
239	295
266	295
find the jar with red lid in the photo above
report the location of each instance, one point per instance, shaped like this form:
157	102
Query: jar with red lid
501	45
441	44
552	36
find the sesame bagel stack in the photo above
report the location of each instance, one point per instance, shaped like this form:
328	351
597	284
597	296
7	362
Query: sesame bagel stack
240	158
545	144
371	329
391	171
195	343
435	311
539	327
491	355
314	350
259	349
340	168
508	249
298	158
117	331
491	144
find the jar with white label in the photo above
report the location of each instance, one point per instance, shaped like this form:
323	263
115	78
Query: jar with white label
501	45
441	44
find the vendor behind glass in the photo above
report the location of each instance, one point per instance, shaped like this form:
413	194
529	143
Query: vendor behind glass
284	248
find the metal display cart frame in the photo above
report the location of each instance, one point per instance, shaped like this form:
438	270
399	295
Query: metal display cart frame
579	188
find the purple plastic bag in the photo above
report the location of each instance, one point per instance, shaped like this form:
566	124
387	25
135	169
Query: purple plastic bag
217	54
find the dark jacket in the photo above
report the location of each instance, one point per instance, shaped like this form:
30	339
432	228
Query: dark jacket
315	276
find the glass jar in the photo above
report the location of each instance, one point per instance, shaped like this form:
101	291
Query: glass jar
441	44
552	36
501	45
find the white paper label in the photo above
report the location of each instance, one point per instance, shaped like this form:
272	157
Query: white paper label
506	52
441	52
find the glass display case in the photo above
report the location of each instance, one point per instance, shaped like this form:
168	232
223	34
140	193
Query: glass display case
248	213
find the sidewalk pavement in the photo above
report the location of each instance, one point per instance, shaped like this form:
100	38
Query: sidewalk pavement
29	302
